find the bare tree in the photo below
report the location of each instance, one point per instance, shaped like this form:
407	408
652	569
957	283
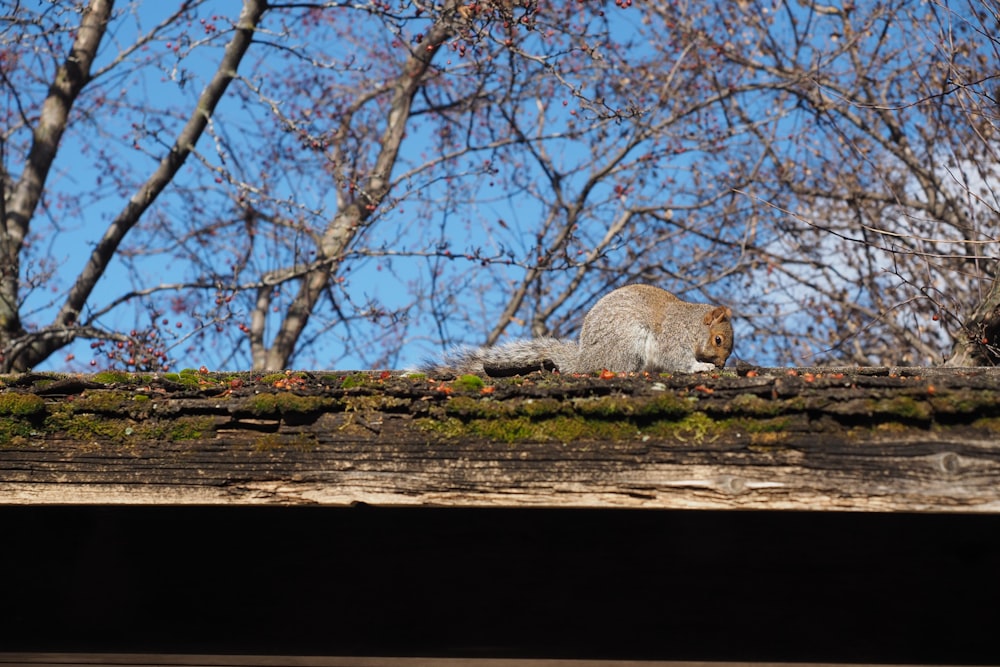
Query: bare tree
879	175
294	175
23	348
830	172
313	182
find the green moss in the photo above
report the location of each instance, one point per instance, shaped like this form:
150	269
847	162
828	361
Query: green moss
546	419
274	378
89	426
965	402
570	428
696	428
905	407
469	383
668	406
558	429
991	424
188	378
355	380
15	432
448	428
753	405
521	428
285	403
107	401
540	408
516	426
190	428
44	382
112	377
21	405
604	407
369	403
505	430
466	407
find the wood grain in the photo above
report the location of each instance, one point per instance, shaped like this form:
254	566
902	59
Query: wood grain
914	440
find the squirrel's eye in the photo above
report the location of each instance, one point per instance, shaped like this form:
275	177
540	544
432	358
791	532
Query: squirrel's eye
718	340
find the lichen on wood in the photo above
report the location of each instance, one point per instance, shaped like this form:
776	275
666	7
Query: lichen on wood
854	439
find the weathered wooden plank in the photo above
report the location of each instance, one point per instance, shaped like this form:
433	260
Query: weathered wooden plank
912	440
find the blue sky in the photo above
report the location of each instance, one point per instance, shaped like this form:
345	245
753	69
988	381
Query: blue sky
160	84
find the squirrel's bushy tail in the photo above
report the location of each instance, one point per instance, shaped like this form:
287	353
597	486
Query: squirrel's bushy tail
514	358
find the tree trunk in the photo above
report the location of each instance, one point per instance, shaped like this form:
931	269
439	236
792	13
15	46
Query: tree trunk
979	342
70	79
37	349
350	222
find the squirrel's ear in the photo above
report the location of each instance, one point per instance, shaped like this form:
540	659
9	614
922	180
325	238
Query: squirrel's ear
718	315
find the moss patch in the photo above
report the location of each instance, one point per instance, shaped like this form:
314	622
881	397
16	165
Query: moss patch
466	407
187	378
525	429
965	402
15	404
356	380
903	407
541	408
550	419
774	425
108	401
120	377
469	383
286	403
190	428
696	428
755	406
991	424
87	427
15	432
20	417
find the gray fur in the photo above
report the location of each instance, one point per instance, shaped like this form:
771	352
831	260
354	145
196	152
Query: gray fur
512	358
632	329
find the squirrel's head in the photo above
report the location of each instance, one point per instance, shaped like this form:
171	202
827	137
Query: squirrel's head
718	345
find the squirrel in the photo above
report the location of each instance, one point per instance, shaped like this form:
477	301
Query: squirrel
633	328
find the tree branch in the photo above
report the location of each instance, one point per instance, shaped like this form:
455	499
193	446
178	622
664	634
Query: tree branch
70	79
349	221
169	165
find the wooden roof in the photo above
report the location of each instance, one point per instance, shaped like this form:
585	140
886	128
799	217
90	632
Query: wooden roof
866	439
